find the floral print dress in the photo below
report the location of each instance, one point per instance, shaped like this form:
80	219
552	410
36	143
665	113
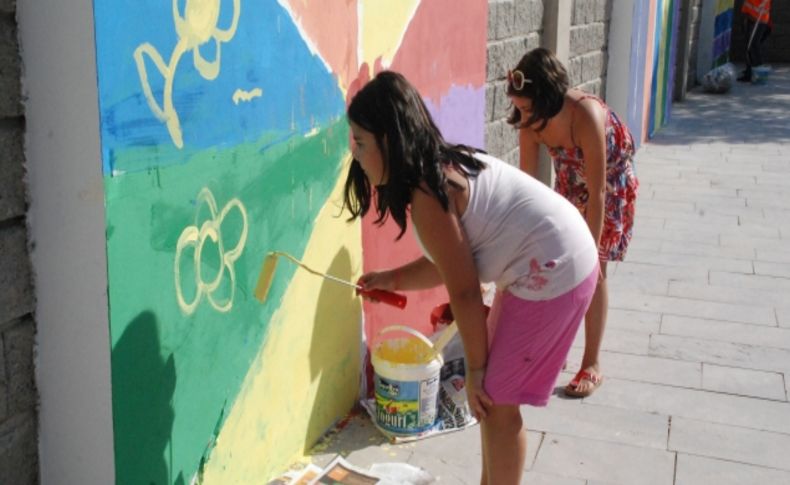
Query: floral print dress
621	184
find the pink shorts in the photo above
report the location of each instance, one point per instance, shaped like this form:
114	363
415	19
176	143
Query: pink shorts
529	342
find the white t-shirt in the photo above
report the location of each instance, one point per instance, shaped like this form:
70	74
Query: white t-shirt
524	236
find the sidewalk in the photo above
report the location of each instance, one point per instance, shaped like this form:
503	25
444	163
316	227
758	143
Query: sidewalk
697	351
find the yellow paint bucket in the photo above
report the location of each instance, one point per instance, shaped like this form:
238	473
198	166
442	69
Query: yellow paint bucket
406	376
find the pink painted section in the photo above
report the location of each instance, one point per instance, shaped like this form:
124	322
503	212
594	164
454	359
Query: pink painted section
332	29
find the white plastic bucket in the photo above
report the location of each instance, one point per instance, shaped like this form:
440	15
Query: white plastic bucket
406	376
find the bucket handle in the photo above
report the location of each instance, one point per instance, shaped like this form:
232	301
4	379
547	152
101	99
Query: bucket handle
443	339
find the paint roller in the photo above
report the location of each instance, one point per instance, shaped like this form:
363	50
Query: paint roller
270	264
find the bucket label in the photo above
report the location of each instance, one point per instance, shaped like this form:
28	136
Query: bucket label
406	406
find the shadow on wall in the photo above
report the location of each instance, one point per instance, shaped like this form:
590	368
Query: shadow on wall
143	417
334	350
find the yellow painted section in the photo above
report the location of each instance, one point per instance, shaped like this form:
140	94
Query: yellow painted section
306	375
382	24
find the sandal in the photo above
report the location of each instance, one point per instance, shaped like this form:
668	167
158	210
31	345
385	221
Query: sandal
580	376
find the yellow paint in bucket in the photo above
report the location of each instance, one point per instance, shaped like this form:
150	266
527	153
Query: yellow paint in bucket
406	377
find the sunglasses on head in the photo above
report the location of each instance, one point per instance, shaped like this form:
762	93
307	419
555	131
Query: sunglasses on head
517	79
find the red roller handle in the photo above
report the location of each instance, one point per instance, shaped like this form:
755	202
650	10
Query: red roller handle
388	297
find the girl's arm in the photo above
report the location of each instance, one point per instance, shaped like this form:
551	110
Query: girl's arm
590	128
445	240
528	152
420	274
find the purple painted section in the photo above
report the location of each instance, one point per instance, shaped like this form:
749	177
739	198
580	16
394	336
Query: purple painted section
460	115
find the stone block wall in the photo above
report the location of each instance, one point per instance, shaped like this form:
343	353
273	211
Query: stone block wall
18	396
588	44
514	27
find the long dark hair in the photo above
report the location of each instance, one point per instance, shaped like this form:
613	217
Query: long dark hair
415	151
546	85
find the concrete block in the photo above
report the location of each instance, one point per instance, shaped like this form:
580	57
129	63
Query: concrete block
16	290
718	330
18	343
506	19
712	407
493	5
504	55
529	16
8	6
762	448
744	382
502	105
19	450
491	94
575	457
602	423
3	385
12	188
10	70
692	470
493	138
587	38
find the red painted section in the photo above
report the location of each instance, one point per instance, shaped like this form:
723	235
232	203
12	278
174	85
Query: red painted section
445	45
333	30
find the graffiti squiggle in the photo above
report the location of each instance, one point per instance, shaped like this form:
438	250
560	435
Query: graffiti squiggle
197	237
195	28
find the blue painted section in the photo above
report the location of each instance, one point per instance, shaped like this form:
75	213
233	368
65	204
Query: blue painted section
282	67
637	71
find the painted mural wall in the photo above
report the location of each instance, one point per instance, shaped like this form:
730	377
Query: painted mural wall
651	29
223	138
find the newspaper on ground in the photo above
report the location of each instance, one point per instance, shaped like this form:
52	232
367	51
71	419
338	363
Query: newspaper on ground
341	472
298	477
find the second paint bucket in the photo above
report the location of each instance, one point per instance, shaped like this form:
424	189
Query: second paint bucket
406	375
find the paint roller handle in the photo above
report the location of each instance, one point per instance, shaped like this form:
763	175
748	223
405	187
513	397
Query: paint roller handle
388	297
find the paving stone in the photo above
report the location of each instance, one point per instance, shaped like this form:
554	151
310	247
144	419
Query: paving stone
761	315
649	369
772	269
598	460
574	418
725	294
691	261
743	230
694	470
535	478
760	414
699	249
744	333
655	230
744	382
616	340
721	441
754	282
723	353
633	321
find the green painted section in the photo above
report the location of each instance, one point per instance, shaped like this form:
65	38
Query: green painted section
175	375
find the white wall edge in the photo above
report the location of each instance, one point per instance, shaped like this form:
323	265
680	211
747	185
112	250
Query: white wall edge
68	247
618	77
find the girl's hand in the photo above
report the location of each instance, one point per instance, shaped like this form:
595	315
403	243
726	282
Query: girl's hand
479	401
376	280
